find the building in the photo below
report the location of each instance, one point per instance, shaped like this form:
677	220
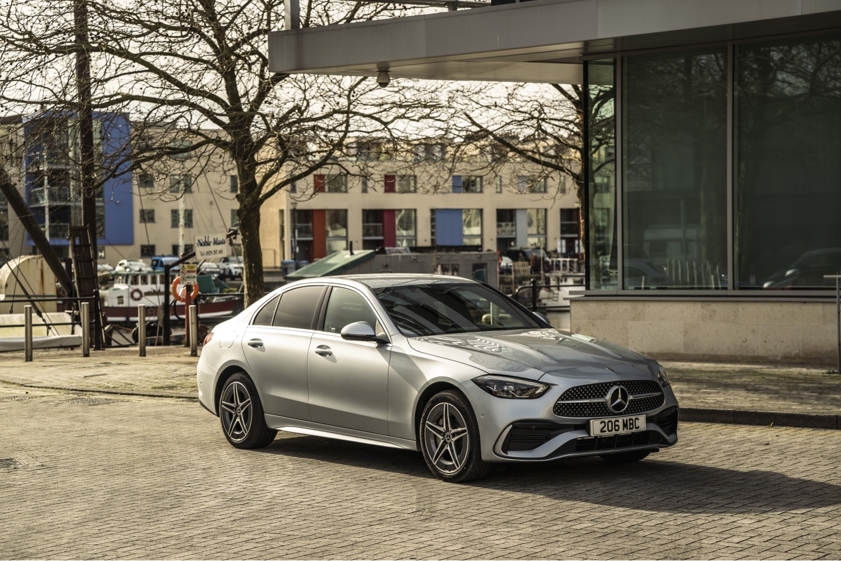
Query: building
51	163
158	210
713	128
421	202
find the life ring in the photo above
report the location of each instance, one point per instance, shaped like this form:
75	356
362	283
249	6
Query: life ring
136	294
177	293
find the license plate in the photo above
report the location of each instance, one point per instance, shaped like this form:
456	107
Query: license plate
617	425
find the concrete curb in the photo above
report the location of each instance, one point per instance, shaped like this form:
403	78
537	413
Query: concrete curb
169	395
740	417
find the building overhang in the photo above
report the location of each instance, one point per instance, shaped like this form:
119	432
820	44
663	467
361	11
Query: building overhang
543	41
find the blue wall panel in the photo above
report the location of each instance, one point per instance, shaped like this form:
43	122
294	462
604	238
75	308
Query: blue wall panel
449	229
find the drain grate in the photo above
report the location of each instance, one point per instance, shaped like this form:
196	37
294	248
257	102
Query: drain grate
17	397
92	401
10	463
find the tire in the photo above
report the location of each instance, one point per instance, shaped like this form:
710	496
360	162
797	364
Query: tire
625	457
241	414
449	439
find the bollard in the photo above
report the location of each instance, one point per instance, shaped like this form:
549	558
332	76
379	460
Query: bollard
194	331
86	329
837	314
141	329
27	333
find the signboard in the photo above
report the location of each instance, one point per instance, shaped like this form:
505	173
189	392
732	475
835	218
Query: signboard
211	247
189	273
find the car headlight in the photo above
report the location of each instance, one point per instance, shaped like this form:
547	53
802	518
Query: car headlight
510	388
662	377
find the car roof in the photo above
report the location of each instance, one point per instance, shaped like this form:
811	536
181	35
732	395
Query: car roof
375	281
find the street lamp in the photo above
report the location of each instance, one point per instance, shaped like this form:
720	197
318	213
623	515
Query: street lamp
293	205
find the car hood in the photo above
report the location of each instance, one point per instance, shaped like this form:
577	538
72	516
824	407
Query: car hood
535	352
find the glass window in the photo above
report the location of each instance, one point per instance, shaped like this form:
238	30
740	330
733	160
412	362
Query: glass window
675	182
536	221
181	183
146	181
147	216
498	182
787	169
147	251
336	223
188	218
531	184
297	307
235	219
406	226
441	308
406	184
335	183
471	184
601	175
234	183
346	307
266	313
472	226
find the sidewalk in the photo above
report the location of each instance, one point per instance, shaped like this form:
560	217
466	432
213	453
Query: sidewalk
708	392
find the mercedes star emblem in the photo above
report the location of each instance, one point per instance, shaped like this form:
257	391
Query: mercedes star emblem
617	399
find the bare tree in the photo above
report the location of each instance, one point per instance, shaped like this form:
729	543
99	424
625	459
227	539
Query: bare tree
194	75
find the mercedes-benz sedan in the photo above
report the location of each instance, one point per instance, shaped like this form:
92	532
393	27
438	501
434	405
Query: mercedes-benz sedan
439	364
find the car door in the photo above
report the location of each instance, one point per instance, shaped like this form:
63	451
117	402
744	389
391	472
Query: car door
348	380
276	347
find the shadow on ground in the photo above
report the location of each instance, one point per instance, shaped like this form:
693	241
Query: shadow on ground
653	485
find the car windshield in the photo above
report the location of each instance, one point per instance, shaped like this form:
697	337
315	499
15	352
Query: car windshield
442	308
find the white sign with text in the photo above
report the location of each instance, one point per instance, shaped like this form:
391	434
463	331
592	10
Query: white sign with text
211	247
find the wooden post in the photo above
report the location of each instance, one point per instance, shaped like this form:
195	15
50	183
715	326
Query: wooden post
193	314
141	329
86	328
27	333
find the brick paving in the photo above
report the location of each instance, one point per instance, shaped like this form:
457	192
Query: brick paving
97	476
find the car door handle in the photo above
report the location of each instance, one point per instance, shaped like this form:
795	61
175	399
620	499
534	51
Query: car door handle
323	350
255	343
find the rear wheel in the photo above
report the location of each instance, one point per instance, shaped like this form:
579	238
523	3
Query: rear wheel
449	439
241	414
625	457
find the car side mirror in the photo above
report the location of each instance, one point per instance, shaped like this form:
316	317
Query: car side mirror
361	331
542	317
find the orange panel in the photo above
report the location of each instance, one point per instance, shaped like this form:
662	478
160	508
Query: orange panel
319	234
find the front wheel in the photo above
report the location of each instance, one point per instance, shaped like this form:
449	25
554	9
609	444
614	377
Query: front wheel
241	413
449	439
625	457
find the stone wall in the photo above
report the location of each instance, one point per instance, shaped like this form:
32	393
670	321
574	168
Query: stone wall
720	331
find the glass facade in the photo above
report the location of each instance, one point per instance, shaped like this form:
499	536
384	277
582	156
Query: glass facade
730	177
788	170
601	174
675	170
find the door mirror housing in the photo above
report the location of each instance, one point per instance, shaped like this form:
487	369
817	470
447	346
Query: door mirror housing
361	331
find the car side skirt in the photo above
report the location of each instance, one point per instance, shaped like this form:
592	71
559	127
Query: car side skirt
298	426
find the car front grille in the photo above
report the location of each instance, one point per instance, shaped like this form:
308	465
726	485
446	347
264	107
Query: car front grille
573	402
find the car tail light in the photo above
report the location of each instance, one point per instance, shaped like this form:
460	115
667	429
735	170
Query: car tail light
207	339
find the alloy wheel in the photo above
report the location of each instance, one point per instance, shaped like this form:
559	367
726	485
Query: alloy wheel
446	438
237	411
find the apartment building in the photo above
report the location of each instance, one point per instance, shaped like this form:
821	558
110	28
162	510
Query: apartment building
382	202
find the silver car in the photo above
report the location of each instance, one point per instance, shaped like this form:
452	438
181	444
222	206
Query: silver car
439	364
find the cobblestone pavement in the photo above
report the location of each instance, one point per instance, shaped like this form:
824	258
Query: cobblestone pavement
95	476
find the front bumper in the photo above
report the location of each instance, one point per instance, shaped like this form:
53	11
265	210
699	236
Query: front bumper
529	431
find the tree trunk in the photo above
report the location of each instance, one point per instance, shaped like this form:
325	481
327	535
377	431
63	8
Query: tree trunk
252	254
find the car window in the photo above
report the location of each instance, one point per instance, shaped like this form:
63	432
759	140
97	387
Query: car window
266	313
442	308
345	307
297	307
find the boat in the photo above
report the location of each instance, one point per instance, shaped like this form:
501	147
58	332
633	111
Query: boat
134	288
